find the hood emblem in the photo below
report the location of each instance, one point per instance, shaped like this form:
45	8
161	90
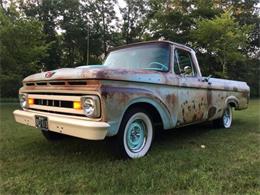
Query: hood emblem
49	74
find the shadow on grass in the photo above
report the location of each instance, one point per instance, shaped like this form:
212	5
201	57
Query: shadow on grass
184	133
71	148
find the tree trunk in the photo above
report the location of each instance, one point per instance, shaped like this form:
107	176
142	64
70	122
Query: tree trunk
224	68
104	30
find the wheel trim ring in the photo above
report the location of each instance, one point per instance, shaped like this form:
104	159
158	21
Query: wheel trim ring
227	117
136	143
149	137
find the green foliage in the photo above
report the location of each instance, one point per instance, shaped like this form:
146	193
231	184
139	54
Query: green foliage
170	20
222	38
47	13
85	30
78	32
250	72
177	164
134	23
22	46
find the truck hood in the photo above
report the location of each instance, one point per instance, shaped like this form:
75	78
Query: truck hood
98	72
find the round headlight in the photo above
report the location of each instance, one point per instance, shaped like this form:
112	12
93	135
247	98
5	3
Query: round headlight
23	101
89	107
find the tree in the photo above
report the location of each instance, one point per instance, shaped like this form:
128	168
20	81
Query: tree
170	20
134	22
223	38
74	33
103	15
246	12
69	33
22	46
47	13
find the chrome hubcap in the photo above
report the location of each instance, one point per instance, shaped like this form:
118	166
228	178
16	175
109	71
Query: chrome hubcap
136	135
227	117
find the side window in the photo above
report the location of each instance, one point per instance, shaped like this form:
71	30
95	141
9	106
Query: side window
183	64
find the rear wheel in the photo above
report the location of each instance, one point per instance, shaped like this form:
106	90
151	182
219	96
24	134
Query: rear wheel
226	120
52	136
135	135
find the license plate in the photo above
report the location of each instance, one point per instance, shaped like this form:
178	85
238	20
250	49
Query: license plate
41	122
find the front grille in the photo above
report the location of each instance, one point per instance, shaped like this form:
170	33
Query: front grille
55	103
55	83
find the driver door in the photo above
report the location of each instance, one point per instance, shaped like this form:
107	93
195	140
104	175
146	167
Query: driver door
192	92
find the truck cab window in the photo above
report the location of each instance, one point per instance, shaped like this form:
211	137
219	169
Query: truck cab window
183	64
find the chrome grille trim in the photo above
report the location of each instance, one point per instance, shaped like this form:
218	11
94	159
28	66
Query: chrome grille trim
55	103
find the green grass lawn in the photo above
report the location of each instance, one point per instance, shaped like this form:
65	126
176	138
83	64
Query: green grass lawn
177	164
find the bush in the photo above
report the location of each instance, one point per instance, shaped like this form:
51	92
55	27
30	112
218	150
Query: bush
10	85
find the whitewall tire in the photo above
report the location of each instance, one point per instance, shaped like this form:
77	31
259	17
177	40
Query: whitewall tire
135	134
226	120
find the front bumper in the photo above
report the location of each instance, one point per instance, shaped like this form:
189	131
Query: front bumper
65	124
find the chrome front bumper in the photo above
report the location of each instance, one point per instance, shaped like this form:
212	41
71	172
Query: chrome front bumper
65	124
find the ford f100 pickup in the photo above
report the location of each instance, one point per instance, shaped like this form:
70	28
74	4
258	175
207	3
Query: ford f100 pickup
139	88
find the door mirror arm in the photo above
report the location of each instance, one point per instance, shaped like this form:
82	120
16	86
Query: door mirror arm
207	79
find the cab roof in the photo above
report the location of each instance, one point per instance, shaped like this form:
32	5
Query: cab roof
151	42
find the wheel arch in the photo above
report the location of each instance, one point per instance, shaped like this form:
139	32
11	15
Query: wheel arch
232	101
160	112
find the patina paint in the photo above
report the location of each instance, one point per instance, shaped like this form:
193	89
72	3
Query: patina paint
179	100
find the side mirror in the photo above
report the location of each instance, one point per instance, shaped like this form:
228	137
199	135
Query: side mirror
187	70
207	78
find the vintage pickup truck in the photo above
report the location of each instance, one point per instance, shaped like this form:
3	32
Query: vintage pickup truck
139	89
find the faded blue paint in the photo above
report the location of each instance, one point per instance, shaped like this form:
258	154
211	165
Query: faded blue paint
180	100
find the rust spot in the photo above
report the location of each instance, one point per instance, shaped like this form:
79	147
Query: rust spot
200	116
244	94
212	112
104	94
235	89
209	97
171	98
103	74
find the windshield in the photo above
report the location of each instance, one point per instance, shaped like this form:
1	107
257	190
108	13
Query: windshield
145	57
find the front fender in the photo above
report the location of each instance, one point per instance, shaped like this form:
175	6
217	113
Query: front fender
117	99
158	105
155	102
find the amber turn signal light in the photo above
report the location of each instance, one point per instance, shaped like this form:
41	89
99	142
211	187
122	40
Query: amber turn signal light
77	105
30	101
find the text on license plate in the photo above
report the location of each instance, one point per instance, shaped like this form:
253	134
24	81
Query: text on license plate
41	122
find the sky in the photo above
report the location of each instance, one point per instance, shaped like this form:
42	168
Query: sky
121	4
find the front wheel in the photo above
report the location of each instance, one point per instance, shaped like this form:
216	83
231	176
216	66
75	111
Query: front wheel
135	135
226	120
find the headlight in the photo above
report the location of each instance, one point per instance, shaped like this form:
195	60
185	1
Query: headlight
91	106
23	100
